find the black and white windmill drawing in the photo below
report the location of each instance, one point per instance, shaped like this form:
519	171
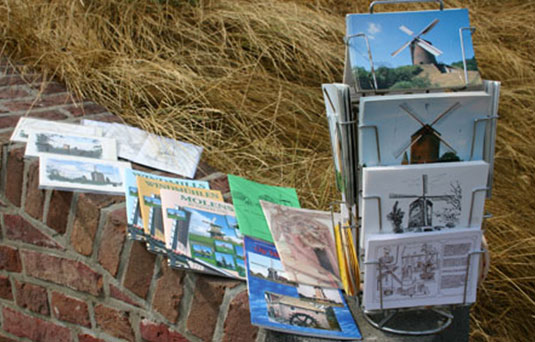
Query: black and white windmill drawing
422	51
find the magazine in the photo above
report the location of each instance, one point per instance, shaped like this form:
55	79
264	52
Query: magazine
246	195
277	303
205	230
21	133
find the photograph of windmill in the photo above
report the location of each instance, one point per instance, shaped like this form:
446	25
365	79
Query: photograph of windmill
411	50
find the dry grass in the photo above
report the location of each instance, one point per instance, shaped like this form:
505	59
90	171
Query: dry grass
242	79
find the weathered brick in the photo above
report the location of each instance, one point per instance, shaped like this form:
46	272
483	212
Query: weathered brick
5	339
17	228
12	93
70	309
220	183
10	259
35	329
139	270
49	88
120	295
110	248
203	170
32	297
42	102
5	288
9	121
152	332
207	299
58	211
70	273
169	292
238	327
114	322
35	198
86	109
5	136
15	172
88	338
13	80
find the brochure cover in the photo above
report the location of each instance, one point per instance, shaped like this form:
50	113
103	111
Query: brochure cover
81	174
246	195
21	133
205	230
420	269
305	241
276	303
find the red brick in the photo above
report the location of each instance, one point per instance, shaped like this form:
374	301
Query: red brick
203	170
70	309
50	88
15	172
5	288
118	294
13	80
86	109
35	329
70	273
238	327
43	102
9	121
32	297
169	292
152	332
220	184
60	204
114	322
35	198
10	259
108	117
110	248
139	270
207	299
17	228
88	338
5	339
12	93
5	136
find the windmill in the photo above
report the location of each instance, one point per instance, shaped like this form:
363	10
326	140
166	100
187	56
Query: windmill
425	142
422	51
421	210
215	229
273	273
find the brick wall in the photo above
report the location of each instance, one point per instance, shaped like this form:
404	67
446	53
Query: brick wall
67	271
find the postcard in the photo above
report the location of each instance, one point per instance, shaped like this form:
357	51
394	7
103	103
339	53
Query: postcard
81	174
276	303
423	128
305	241
70	145
412	50
205	230
246	195
421	269
423	197
20	133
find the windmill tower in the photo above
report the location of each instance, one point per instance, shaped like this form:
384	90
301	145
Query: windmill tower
215	229
422	51
273	273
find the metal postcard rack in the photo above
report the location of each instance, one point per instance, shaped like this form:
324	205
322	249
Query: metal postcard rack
381	318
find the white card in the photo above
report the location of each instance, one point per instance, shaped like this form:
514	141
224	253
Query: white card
20	133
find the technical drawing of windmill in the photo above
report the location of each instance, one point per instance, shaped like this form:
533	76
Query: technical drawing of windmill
425	142
422	51
421	210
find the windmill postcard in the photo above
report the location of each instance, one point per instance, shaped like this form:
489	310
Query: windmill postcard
423	197
25	124
423	128
412	50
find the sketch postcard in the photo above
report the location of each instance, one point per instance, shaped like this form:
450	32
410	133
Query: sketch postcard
81	174
305	241
421	269
204	230
411	50
246	195
21	133
277	303
70	145
423	197
423	128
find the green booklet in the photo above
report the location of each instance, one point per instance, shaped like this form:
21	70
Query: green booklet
246	196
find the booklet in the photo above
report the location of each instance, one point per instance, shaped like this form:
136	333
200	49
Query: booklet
277	303
305	241
246	195
81	174
205	230
421	269
20	133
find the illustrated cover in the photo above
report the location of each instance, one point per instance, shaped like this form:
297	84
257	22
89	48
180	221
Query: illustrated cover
423	197
423	128
70	173
205	230
21	134
411	50
246	195
420	269
305	241
133	210
277	303
70	145
151	207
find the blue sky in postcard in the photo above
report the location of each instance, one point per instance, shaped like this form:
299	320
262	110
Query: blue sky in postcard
385	36
73	169
200	224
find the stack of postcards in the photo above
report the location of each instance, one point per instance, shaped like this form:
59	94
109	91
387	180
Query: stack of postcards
413	129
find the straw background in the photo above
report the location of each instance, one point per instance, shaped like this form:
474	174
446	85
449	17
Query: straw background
242	79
